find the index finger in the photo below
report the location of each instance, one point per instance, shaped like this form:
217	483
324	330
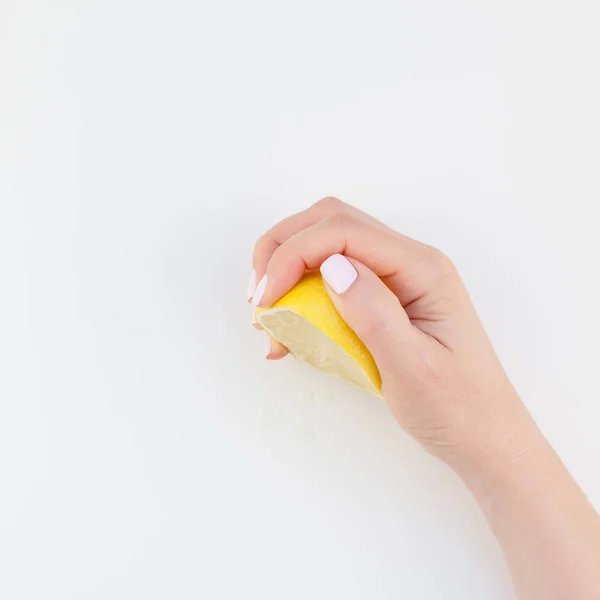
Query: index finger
389	255
268	243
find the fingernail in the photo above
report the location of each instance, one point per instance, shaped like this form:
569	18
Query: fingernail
260	290
268	348
252	284
339	273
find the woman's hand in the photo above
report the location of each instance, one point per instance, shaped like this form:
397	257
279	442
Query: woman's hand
407	303
444	384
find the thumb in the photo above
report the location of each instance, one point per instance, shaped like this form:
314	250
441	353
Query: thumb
370	308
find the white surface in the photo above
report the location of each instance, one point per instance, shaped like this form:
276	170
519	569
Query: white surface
146	448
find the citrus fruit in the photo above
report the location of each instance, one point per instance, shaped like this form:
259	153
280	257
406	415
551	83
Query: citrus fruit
308	324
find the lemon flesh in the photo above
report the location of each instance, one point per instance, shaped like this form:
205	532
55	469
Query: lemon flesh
307	323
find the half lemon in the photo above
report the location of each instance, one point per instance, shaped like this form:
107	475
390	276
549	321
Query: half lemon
307	323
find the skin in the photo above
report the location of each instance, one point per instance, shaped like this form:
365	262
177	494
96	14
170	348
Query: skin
445	385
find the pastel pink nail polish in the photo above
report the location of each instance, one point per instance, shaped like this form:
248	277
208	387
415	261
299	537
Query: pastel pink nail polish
339	273
252	284
260	290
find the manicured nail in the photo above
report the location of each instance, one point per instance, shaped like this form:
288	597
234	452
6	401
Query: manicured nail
339	273
260	290
252	284
268	348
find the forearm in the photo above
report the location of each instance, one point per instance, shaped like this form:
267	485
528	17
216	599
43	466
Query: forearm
548	530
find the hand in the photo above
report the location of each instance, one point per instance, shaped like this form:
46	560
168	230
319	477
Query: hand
406	301
444	384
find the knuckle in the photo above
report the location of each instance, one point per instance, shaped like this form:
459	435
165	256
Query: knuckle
372	325
279	254
285	257
263	242
329	204
442	264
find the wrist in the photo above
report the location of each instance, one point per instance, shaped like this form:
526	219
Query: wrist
510	442
520	467
547	528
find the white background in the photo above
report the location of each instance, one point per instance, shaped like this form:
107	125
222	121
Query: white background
147	450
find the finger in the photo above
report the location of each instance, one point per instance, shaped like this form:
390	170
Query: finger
285	229
256	324
383	251
275	350
268	243
370	308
